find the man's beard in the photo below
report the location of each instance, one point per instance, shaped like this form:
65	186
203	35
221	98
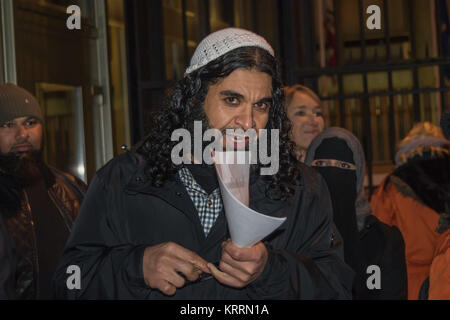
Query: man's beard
198	114
23	168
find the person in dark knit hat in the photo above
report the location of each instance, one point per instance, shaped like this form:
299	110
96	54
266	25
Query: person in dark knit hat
16	102
38	203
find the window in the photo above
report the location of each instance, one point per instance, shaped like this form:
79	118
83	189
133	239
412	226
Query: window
376	83
68	71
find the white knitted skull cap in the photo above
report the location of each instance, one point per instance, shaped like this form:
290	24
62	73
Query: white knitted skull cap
220	42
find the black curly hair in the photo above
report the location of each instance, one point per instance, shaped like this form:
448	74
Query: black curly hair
185	105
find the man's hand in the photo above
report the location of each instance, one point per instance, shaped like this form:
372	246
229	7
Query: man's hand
161	264
240	266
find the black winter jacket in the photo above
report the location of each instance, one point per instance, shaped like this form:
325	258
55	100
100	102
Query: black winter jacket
383	246
7	264
18	272
123	213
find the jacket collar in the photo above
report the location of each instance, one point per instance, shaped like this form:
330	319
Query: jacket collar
139	183
174	193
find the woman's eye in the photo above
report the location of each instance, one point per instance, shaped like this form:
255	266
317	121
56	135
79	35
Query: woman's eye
345	165
300	113
319	114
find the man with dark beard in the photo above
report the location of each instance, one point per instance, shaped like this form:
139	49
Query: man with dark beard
153	229
38	203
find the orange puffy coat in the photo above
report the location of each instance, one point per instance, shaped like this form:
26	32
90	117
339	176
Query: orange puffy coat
440	270
396	204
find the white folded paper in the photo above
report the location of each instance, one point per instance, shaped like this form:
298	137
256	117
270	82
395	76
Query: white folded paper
246	226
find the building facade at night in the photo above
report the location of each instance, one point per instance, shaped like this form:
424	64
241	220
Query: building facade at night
99	85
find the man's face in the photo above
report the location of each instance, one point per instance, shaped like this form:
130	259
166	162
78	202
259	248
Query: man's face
240	101
20	136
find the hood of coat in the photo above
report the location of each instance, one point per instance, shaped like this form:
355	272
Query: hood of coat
422	149
426	181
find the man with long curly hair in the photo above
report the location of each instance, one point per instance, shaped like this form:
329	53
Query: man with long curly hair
153	229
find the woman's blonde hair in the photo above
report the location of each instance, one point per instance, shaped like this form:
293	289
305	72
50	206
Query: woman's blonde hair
289	92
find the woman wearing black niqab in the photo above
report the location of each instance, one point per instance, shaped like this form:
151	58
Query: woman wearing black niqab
339	157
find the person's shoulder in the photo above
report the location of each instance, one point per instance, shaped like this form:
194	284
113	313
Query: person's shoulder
388	232
388	187
311	180
372	222
310	183
125	163
119	168
68	179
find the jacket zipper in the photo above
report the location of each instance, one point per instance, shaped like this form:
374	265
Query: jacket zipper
36	258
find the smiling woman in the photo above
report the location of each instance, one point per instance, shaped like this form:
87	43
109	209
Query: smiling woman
304	110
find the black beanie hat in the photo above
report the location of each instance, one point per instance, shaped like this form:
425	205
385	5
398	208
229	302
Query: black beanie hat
16	102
